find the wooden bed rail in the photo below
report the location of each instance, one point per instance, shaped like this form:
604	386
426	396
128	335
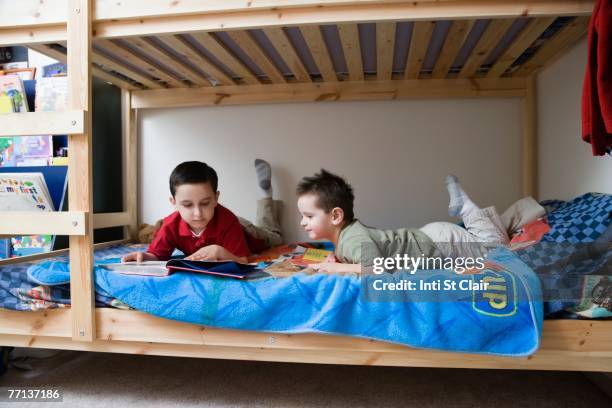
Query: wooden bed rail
566	344
80	180
58	252
36	123
57	223
44	22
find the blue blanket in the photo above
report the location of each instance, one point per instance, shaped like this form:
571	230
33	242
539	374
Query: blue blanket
508	322
574	225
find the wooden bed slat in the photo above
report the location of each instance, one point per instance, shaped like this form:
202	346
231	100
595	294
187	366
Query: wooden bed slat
125	70
108	77
314	38
529	34
487	42
122	53
351	47
97	72
151	49
385	46
457	34
227	58
419	43
248	45
553	47
187	51
284	47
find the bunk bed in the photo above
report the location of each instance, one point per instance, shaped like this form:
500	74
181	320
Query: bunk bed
173	54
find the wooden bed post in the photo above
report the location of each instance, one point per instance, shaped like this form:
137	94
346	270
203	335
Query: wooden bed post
530	139
80	170
130	164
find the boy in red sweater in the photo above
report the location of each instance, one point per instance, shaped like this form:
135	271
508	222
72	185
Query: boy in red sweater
202	228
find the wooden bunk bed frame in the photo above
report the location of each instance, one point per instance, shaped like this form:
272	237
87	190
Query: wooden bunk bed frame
197	53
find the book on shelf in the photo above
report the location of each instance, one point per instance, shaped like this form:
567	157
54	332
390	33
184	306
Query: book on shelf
31	244
229	269
51	94
24	192
33	150
7	152
12	95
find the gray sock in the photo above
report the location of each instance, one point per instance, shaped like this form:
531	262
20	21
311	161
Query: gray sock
264	176
460	204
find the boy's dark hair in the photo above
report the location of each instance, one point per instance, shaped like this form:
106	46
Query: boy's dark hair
332	191
193	172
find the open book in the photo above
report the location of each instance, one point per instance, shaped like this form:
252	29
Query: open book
228	269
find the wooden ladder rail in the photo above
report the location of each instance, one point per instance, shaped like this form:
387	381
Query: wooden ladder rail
80	181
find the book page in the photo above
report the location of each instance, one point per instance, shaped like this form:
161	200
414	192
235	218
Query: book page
149	268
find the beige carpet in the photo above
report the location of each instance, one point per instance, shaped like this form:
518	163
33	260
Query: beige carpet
116	380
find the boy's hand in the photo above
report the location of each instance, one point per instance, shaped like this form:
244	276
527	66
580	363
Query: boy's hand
209	253
330	258
138	257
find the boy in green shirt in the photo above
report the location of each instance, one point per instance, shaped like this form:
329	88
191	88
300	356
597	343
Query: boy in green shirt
326	204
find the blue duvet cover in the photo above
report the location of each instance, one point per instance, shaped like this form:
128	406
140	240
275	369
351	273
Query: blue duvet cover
507	322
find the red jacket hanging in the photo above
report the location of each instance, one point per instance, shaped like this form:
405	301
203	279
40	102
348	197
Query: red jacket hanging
597	89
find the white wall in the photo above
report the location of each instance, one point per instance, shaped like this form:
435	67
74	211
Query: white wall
38	61
394	153
567	167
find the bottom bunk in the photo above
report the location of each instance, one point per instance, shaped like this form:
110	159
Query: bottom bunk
201	321
569	345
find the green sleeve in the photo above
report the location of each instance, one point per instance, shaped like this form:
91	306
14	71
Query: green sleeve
360	249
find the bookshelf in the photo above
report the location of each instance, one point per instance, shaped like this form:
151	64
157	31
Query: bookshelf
107	187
